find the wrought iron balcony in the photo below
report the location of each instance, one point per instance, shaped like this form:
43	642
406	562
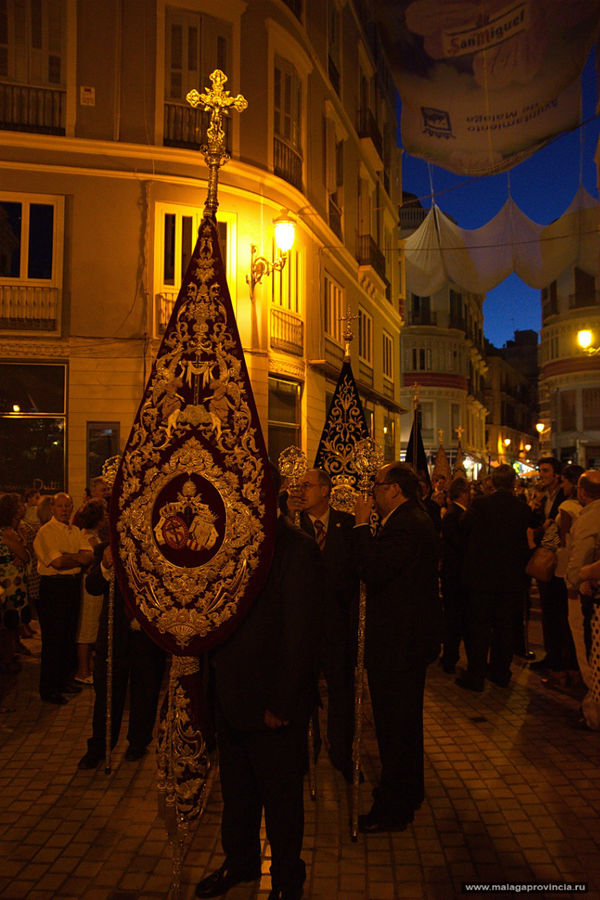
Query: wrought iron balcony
287	162
367	128
425	317
30	309
287	332
369	254
24	107
186	127
335	217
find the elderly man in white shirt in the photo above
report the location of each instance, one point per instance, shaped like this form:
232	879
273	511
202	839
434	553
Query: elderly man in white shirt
62	551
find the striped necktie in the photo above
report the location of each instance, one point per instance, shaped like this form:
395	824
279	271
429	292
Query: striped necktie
320	534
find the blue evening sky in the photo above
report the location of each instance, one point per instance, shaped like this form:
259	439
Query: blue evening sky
542	186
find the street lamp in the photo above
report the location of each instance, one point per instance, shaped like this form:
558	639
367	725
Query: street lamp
507	442
285	231
584	339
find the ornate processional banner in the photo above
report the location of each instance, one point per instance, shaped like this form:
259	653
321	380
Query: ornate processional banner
344	427
193	506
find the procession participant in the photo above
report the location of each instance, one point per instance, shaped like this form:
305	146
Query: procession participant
453	592
265	691
62	550
99	490
496	553
399	567
332	531
584	615
553	594
137	660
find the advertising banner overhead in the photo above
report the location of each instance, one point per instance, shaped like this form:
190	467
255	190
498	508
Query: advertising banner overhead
486	83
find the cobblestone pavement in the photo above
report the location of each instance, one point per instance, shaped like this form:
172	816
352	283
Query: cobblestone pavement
513	795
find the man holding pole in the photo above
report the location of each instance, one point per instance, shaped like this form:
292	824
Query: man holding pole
403	623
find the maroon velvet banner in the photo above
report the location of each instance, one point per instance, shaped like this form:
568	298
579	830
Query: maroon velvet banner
193	505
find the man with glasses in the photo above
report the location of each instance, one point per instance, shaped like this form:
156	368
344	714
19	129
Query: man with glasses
333	532
400	568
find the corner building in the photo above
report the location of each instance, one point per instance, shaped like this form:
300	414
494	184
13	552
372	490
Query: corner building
102	187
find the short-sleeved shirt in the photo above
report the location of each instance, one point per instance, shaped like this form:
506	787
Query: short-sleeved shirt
52	540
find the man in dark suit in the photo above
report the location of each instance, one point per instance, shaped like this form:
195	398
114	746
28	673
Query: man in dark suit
496	553
453	592
558	643
400	569
265	691
137	660
332	530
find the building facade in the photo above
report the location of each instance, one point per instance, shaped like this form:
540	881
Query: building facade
101	192
569	385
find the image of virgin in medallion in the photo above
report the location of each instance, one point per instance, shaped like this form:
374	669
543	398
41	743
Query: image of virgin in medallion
188	520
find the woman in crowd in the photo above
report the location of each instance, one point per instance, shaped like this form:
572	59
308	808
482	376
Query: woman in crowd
14	556
92	520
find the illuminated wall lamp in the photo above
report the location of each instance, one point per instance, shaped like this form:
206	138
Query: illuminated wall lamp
507	442
584	339
285	231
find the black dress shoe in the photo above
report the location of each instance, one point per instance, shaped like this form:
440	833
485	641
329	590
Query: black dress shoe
132	754
57	699
286	894
72	689
374	823
221	880
89	761
503	682
467	684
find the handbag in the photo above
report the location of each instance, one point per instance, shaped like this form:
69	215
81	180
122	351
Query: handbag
542	564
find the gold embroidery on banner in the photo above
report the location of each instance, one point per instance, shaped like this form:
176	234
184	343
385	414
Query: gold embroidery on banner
196	399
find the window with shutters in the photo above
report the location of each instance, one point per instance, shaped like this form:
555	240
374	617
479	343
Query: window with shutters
334	309
32	65
568	411
195	45
388	355
333	174
590	406
287	111
176	231
365	336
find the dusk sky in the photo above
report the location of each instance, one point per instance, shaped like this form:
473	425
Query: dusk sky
542	186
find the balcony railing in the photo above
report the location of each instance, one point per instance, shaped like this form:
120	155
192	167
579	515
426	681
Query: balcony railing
412	217
27	108
335	217
579	301
164	303
369	254
367	128
457	322
287	332
28	308
287	163
334	75
422	318
186	127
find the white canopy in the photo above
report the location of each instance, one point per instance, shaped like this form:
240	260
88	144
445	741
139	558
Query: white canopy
439	253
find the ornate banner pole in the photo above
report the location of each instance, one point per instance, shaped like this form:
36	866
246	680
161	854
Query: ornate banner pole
368	459
109	471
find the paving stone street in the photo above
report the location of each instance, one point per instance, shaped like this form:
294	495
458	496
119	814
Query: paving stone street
512	796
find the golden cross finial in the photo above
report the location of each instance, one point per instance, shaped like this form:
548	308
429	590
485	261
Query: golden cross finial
218	102
348	333
441	436
459	432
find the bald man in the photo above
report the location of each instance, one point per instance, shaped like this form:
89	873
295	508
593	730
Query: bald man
62	550
584	613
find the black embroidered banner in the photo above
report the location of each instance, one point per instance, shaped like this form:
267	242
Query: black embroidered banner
344	427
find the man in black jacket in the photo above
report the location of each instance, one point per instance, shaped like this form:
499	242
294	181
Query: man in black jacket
399	567
333	532
496	553
453	592
265	691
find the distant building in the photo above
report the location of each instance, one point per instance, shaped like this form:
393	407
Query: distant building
569	384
